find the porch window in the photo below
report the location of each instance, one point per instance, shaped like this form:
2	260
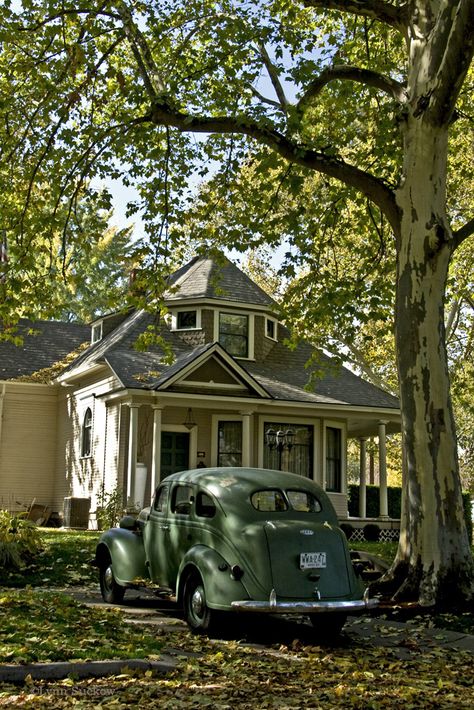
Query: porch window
86	437
333	460
296	459
234	334
229	444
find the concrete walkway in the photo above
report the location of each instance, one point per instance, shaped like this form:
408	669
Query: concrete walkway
405	640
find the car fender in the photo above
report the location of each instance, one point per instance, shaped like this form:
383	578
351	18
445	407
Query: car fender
221	584
126	552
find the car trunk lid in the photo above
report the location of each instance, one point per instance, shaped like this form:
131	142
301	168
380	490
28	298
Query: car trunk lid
307	561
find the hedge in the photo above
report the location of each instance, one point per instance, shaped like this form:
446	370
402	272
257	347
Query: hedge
394	496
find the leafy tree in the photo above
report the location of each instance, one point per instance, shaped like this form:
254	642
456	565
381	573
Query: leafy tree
369	95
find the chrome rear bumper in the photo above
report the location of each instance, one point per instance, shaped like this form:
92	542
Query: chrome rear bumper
273	606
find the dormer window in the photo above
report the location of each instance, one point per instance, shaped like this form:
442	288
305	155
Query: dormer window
96	333
186	319
234	334
271	328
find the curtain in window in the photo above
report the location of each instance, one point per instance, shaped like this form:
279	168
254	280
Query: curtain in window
229	444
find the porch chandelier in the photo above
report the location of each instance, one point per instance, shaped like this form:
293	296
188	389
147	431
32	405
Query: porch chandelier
189	422
280	440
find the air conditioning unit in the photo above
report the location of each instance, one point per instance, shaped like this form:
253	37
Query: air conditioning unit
76	512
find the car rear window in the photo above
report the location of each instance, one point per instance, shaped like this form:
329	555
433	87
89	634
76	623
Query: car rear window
268	501
303	501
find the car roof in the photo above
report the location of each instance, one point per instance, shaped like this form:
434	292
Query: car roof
229	482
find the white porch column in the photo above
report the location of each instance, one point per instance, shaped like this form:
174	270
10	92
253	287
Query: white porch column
156	455
363	478
383	496
246	438
132	448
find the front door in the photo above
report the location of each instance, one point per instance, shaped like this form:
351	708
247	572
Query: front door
174	452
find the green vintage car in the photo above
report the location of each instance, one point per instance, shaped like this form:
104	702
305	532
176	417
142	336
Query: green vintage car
237	540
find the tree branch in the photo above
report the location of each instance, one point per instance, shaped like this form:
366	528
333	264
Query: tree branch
453	43
463	233
274	78
350	73
374	9
152	79
371	186
263	98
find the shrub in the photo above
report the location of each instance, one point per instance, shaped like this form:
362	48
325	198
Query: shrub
347	529
371	532
111	509
20	540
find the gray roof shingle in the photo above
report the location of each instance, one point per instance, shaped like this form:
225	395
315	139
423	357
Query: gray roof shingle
204	277
44	344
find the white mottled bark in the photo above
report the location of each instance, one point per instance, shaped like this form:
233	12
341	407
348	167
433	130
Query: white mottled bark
435	550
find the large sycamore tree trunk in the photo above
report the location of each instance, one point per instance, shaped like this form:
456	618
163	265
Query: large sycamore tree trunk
434	557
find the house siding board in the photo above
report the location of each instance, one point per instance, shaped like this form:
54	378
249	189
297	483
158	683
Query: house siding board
28	446
112	451
78	476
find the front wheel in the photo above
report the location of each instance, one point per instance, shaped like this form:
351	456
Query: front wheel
328	625
196	612
112	591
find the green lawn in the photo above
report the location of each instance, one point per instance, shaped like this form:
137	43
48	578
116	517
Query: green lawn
64	561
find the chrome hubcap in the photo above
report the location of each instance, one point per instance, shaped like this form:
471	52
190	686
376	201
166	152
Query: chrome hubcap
197	602
108	576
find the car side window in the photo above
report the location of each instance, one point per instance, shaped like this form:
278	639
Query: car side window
304	502
269	501
182	500
205	506
161	499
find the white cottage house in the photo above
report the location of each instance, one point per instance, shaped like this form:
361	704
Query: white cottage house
234	394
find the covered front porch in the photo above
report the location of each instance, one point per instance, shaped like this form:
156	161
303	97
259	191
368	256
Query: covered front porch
161	435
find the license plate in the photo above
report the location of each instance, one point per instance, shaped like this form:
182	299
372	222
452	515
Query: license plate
312	560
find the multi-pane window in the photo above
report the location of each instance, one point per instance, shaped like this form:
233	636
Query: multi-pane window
229	444
296	458
333	460
86	437
234	333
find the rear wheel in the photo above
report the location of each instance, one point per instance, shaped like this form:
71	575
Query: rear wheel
328	625
196	612
112	592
